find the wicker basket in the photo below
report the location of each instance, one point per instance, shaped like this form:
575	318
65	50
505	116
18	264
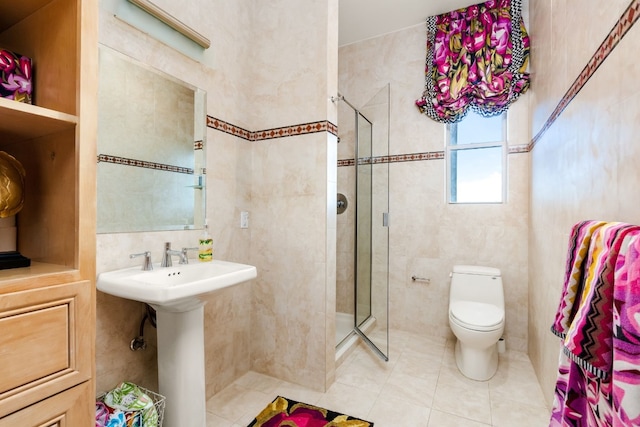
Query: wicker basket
158	403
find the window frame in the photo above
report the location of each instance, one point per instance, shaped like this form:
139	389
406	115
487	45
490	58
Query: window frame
450	148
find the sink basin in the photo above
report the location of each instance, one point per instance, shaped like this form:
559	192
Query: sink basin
176	286
175	293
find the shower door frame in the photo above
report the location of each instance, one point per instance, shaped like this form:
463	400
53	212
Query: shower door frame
370	163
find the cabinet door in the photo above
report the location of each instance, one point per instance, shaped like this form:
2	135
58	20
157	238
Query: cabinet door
71	408
44	343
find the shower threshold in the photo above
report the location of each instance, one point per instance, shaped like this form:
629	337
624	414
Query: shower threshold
348	344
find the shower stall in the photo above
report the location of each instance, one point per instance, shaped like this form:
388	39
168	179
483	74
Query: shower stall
362	265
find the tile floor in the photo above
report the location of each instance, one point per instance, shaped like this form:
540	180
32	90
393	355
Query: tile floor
420	386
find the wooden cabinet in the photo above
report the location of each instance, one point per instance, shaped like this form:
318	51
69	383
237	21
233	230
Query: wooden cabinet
66	409
47	310
43	344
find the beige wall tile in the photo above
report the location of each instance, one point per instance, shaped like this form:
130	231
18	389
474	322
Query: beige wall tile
583	166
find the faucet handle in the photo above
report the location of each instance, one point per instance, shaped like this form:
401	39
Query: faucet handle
184	259
147	265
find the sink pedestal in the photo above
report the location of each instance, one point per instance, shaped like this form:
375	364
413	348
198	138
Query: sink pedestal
181	376
176	294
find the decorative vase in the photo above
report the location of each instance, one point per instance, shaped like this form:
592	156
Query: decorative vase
11	185
12	176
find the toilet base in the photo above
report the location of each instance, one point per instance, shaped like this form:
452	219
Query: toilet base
477	364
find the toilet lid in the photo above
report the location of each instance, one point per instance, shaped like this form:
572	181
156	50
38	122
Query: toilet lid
476	315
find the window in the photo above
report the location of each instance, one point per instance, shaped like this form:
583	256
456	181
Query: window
476	159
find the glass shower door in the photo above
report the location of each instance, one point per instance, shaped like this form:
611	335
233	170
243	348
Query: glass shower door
372	216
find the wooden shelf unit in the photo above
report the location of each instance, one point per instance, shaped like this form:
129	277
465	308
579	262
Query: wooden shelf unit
52	302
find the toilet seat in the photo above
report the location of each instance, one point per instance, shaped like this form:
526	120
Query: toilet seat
476	316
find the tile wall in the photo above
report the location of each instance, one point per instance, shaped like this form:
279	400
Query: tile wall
585	120
262	76
294	63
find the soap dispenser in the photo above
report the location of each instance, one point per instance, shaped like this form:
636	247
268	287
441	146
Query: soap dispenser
205	245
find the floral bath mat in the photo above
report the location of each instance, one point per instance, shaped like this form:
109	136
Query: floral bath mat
286	412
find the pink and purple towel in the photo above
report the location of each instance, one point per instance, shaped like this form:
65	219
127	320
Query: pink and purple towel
599	369
579	242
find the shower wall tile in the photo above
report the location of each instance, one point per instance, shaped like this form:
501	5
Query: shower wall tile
427	235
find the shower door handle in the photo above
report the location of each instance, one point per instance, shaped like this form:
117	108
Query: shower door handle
385	219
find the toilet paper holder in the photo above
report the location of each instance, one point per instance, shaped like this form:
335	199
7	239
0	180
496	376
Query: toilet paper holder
420	279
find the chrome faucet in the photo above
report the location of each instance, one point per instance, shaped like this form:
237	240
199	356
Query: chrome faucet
171	252
147	265
168	253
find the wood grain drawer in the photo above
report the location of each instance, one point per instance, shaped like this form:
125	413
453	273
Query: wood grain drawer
42	336
71	408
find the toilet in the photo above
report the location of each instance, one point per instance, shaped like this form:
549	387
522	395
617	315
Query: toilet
476	317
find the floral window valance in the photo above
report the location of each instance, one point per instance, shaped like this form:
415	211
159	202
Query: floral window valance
477	58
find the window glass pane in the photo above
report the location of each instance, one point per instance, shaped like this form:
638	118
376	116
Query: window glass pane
476	175
474	129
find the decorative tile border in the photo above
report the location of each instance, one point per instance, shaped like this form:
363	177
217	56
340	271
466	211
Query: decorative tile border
226	127
143	164
346	162
430	155
326	126
619	30
280	132
332	129
303	129
396	158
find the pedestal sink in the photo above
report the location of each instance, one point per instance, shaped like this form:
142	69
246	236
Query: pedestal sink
176	294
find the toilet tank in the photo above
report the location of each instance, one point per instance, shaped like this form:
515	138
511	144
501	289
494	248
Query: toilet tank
476	283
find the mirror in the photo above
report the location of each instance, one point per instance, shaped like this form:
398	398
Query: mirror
151	162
